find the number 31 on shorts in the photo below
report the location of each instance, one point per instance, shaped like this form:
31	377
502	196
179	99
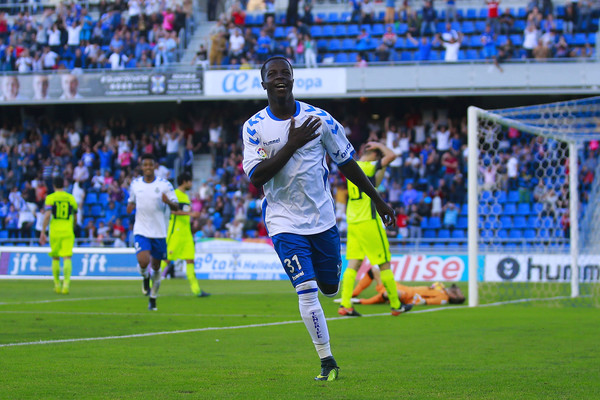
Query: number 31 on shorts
288	264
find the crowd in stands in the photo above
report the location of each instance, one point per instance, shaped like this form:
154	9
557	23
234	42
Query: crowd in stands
412	31
118	35
426	182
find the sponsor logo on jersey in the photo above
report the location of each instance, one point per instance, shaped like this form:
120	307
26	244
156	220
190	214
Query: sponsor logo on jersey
272	142
261	152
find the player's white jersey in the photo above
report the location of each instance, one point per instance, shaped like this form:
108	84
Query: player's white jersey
298	198
149	207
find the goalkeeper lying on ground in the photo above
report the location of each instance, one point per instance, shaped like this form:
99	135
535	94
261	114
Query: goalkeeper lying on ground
435	294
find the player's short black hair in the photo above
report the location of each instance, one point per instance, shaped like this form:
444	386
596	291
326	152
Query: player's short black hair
263	69
58	182
183	177
148	156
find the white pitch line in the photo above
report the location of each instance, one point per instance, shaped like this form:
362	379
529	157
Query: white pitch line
145	314
223	328
67	299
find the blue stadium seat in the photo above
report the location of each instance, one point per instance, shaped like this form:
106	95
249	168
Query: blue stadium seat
340	31
366	27
475	41
502	234
464	209
434	222
501	197
345	16
510	209
316	31
322	45
402	29
521	13
480	26
348	44
91	198
486	196
321	16
529	233
406	56
462	223
459	234
513	196
468	28
103	198
523	209
328	31
471	13
335	45
279	33
429	234
96	211
519	26
520	222
400	44
592	39
424	222
483	13
443	234
353	56
342	58
333	18
580	39
352	30
378	30
472	54
3	234
506	222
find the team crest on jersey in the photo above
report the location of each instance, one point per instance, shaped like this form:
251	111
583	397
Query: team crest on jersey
261	152
156	190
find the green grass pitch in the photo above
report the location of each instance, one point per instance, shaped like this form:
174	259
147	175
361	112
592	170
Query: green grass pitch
246	341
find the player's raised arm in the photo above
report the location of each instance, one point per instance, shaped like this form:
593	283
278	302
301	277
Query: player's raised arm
352	171
297	138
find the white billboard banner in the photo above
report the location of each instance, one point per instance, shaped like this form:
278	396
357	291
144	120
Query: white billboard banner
247	83
539	268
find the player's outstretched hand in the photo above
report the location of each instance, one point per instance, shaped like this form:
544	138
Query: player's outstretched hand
303	134
387	213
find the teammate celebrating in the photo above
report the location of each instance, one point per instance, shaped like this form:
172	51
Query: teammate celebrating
285	149
148	195
366	233
180	242
61	209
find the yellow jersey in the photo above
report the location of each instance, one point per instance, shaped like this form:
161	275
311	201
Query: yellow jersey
63	207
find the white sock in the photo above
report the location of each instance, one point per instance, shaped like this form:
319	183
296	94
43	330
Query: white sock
313	316
143	271
155	278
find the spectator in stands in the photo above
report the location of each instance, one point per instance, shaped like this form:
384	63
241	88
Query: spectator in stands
264	46
424	45
452	46
488	39
367	12
561	49
505	52
414	223
541	51
506	21
530	39
218	44
390	11
429	19
570	18
413	23
11	222
450	215
584	15
492	15
236	45
310	51
451	13
355	17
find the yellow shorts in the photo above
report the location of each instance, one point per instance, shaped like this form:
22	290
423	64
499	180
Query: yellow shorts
368	239
180	248
61	246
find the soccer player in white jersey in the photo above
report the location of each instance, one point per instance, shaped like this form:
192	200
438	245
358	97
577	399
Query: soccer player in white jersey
285	149
149	196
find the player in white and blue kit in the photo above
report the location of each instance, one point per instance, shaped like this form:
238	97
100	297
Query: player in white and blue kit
285	149
150	196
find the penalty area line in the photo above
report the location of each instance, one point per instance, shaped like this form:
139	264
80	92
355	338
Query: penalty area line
224	328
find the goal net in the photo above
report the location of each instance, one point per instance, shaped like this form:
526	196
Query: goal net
533	203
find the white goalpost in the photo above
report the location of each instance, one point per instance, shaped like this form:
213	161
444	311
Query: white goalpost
523	231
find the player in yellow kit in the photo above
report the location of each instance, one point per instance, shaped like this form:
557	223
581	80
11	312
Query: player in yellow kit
61	209
366	232
180	242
